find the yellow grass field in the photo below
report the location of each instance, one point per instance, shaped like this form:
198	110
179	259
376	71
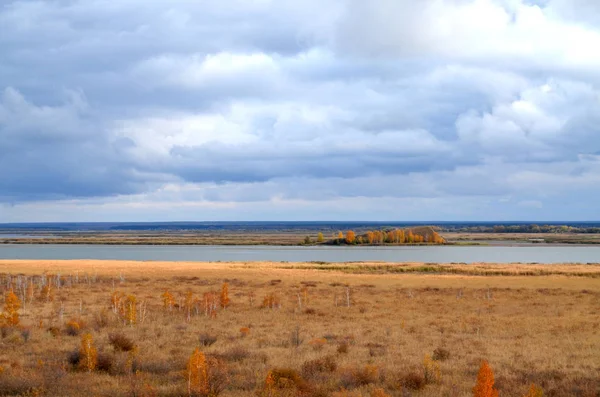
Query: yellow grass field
354	329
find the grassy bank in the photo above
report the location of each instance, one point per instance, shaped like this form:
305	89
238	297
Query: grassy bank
359	327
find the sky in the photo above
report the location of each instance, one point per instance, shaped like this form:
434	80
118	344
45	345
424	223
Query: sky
137	110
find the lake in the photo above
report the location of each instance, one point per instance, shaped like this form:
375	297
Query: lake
467	254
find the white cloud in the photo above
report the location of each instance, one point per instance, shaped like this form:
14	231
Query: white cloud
468	107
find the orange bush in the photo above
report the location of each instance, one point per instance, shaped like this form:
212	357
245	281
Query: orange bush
485	382
224	295
12	304
244	331
73	327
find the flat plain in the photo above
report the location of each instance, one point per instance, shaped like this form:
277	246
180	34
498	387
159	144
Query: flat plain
317	329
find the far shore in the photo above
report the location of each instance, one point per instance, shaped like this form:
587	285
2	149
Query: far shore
283	238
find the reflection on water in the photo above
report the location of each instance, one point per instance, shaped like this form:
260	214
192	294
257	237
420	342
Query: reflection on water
529	254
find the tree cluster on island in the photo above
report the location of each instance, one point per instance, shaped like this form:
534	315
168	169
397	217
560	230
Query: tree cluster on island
421	235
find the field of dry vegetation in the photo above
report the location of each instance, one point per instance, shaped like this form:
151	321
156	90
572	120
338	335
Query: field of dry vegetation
108	328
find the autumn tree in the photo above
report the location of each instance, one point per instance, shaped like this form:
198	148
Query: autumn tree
47	293
224	295
88	353
12	304
485	382
370	237
129	310
116	300
168	300
378	238
401	236
390	237
350	237
197	374
188	305
340	235
210	303
320	238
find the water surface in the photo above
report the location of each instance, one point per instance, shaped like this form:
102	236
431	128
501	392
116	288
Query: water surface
467	254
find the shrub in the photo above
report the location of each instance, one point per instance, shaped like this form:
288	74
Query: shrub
313	368
361	376
105	362
411	381
379	392
431	370
295	338
26	334
244	331
54	331
284	378
74	357
318	343
485	382
236	354
207	339
20	386
72	327
120	342
534	391
441	354
376	349
101	319
343	348
218	376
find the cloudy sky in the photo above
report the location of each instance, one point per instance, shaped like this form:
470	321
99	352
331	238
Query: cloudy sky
141	110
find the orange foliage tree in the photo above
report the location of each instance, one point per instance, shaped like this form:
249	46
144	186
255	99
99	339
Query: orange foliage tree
350	237
12	304
168	300
485	382
378	237
88	353
224	299
129	312
340	235
197	374
390	237
370	237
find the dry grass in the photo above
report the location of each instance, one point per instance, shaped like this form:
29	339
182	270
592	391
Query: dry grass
532	328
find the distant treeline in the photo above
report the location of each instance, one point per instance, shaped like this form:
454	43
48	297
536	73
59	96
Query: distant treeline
523	228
